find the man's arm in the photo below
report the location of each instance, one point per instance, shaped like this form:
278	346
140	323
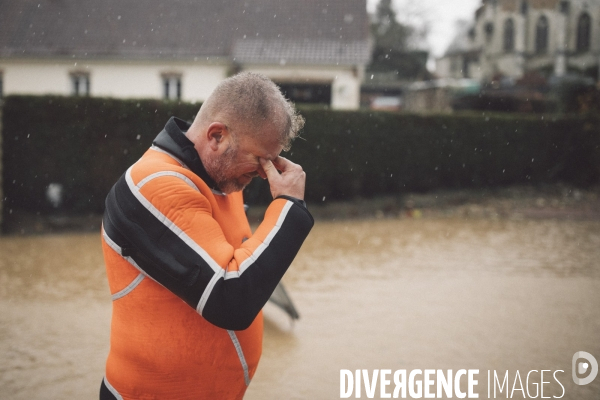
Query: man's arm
166	228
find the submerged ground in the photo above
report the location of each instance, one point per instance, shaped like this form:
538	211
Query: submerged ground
400	284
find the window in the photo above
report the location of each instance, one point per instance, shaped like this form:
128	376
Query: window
172	87
472	33
465	67
509	35
312	93
541	35
489	31
80	84
584	30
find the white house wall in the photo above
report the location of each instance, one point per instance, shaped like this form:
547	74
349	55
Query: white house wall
33	78
110	78
122	79
443	67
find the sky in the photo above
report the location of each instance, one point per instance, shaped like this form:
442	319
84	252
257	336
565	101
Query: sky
441	16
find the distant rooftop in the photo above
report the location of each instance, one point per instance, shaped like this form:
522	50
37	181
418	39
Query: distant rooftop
313	51
461	42
273	31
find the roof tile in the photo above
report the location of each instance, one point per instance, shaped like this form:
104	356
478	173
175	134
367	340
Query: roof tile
327	31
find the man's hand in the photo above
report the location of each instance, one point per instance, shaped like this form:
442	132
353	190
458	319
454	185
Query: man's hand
289	182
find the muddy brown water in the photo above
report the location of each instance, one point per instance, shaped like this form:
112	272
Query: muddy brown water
375	294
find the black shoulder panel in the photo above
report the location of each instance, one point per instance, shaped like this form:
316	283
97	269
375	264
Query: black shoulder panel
157	250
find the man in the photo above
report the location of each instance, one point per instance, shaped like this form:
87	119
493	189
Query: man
187	276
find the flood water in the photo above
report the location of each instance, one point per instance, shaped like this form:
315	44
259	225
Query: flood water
492	295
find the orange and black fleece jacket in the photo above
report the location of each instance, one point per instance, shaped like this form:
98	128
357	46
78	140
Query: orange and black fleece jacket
188	277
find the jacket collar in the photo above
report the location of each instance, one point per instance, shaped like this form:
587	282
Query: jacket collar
172	139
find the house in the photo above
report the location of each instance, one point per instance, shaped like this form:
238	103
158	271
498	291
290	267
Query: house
316	50
512	38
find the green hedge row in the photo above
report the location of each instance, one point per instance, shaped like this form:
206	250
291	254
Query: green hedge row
87	143
363	153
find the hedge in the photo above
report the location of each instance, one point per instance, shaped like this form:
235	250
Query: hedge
83	143
348	154
87	143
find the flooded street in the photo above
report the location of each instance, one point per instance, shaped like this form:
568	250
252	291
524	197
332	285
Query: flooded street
498	295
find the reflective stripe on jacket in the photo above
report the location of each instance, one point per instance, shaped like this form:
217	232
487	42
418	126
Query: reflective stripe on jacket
187	276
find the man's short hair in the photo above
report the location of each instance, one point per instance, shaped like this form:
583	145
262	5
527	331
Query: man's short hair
248	100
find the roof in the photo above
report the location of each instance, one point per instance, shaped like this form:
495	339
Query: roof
259	51
307	31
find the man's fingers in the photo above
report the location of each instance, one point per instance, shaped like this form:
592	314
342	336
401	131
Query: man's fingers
268	167
261	172
282	163
291	180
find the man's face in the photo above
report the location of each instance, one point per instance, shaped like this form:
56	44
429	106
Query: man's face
235	168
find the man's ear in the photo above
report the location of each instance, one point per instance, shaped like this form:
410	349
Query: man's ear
217	136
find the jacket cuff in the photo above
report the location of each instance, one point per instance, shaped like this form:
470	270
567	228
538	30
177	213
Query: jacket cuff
292	199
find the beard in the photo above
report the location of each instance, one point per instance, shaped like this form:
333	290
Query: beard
218	169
